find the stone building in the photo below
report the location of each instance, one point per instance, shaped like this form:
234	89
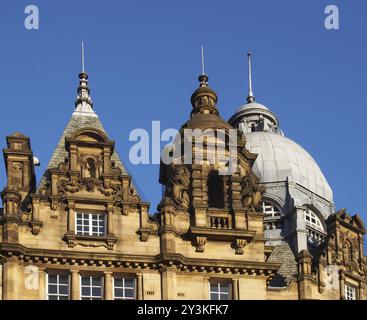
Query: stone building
268	230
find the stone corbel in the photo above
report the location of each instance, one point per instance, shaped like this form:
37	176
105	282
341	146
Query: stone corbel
54	203
144	234
200	243
125	209
240	245
36	227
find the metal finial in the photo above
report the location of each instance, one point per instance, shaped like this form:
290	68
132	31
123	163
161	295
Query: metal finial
250	97
83	58
202	60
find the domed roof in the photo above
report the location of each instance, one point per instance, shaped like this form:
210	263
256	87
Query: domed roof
280	158
206	121
252	105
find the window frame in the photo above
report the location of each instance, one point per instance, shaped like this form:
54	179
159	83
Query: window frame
91	297
90	224
124	287
58	274
308	213
275	211
220	282
353	291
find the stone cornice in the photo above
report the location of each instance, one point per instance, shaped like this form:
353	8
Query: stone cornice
184	264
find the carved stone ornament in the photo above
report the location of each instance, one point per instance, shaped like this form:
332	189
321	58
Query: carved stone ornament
252	192
200	243
240	245
178	185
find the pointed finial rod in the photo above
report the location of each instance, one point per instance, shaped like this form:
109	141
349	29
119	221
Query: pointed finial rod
83	58
202	60
250	97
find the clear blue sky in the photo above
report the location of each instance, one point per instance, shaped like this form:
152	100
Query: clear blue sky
143	58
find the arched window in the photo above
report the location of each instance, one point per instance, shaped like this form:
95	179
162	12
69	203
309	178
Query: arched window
273	216
271	210
91	169
215	190
313	220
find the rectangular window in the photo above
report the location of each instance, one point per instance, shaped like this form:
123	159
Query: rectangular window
220	291
57	287
124	288
350	292
91	288
90	224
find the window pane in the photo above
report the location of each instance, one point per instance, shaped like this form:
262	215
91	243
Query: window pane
129	293
85	291
64	280
214	296
96	281
85	280
224	288
52	289
129	283
119	292
63	290
96	292
118	282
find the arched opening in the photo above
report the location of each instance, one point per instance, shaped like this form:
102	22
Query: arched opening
215	190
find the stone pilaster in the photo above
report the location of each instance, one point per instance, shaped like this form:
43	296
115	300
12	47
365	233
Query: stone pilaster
108	286
75	285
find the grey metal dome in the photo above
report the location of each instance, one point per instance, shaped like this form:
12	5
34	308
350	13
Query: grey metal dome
281	159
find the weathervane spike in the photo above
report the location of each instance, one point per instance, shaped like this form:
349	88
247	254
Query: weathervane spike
250	97
202	60
83	62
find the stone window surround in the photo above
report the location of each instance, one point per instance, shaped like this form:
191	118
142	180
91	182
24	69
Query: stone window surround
91	286
57	273
124	276
89	223
233	286
72	238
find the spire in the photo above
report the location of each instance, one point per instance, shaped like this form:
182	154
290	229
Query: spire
251	97
204	99
84	103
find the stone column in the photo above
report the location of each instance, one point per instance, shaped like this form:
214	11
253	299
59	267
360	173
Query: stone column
342	285
35	209
106	160
301	231
75	285
71	218
108	286
168	283
110	210
42	284
12	279
139	287
235	291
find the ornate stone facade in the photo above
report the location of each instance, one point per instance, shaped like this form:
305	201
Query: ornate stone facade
86	222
